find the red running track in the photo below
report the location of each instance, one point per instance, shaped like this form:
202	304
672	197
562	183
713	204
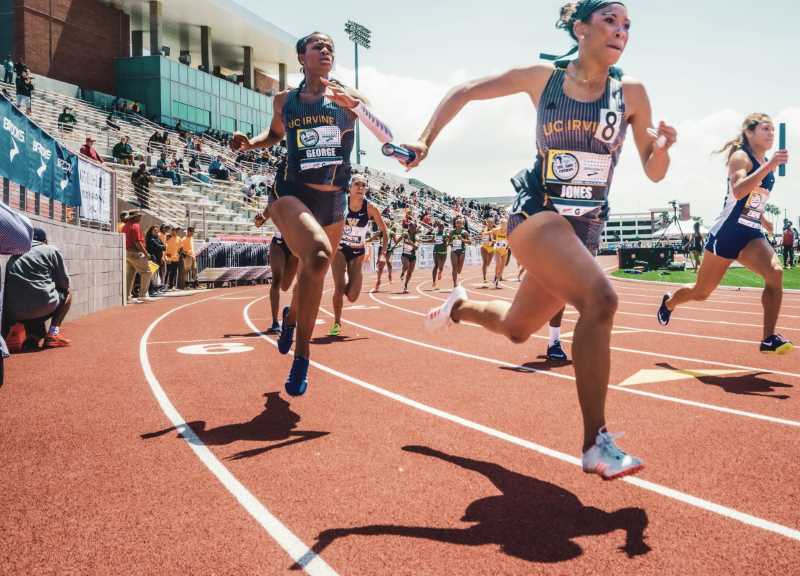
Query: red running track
162	442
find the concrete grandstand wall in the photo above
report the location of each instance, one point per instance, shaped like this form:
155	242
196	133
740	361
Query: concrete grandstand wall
95	261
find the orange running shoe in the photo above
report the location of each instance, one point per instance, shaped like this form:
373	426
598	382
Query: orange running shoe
55	341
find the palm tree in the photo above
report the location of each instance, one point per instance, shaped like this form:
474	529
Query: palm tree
772	210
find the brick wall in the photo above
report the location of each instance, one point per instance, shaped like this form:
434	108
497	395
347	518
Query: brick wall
76	43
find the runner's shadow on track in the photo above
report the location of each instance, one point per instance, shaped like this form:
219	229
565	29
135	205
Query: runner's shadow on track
332	339
745	384
248	335
275	424
531	519
543	365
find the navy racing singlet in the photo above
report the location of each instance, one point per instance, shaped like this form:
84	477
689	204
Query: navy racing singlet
319	138
746	211
356	226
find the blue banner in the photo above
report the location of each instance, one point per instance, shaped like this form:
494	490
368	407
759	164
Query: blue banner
67	186
13	150
32	158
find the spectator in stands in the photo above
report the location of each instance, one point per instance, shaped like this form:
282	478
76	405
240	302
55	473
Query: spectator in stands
19	67
155	250
136	258
89	150
165	142
188	260
37	290
194	164
16	236
154	142
25	91
67	120
249	193
123	152
135	108
141	184
261	191
162	170
173	248
788	245
110	122
8	67
217	169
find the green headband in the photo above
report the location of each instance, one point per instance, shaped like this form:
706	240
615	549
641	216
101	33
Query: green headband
582	13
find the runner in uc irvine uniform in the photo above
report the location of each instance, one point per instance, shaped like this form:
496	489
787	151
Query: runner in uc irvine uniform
583	109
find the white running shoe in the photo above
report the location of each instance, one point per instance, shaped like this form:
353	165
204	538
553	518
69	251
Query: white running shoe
438	318
607	460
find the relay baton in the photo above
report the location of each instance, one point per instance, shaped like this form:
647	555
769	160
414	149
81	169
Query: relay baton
782	146
403	154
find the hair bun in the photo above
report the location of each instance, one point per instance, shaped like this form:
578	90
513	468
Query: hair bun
567	12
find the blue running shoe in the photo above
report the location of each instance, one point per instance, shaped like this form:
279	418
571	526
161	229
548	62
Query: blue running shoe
556	352
663	312
297	382
287	334
776	344
275	328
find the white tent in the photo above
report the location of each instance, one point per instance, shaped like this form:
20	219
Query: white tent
673	232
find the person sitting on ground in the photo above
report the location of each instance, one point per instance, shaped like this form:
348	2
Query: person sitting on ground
217	169
37	290
89	150
67	120
141	184
123	151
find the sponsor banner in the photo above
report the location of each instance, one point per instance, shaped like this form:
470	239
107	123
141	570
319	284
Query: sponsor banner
95	192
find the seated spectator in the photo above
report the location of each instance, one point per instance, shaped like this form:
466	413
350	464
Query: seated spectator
165	140
177	164
110	122
37	290
136	258
123	152
194	164
249	193
162	170
89	151
154	142
24	91
141	182
262	191
217	169
67	120
123	216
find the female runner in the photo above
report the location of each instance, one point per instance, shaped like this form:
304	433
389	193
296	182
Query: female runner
458	240
439	252
409	257
487	247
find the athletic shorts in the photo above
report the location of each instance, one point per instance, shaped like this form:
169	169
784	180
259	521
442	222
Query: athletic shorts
487	248
351	253
282	245
731	238
411	257
327	207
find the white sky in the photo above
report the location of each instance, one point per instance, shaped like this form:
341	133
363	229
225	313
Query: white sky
705	65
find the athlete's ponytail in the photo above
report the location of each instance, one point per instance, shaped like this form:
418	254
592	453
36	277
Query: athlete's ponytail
741	141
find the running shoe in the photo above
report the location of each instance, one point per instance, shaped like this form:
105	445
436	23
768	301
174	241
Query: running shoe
438	318
607	460
663	312
335	330
287	334
556	352
55	341
297	382
776	344
275	328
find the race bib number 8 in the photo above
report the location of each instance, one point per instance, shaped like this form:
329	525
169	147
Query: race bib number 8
609	125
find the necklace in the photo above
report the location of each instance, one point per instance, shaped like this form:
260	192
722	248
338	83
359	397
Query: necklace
584	81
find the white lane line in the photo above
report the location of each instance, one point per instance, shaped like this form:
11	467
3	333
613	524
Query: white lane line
676	400
232	339
312	563
683	497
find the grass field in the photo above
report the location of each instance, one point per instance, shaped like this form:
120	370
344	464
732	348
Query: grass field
734	277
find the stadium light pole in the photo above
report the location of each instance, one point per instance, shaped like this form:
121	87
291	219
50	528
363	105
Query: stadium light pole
360	36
